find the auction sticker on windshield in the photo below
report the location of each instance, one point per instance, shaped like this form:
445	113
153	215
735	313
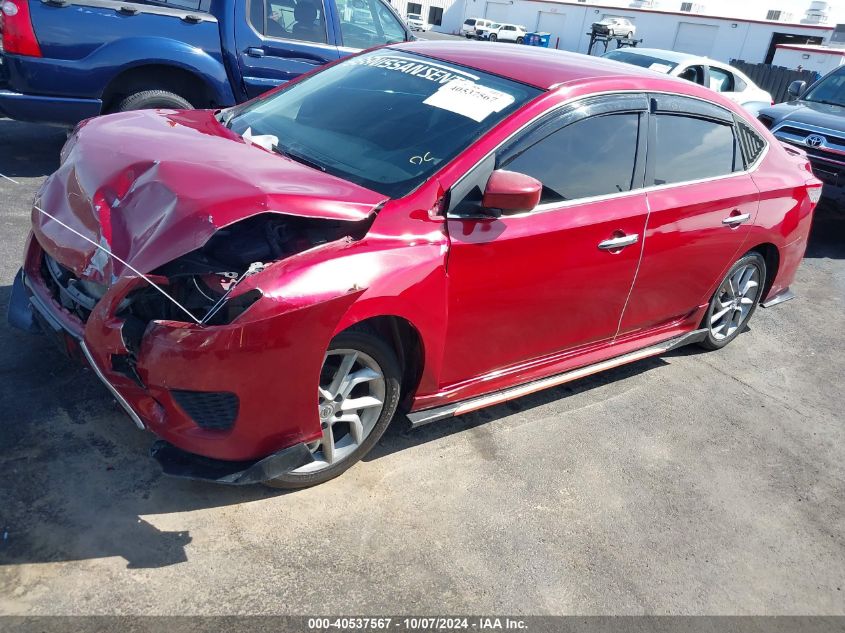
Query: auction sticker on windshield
469	99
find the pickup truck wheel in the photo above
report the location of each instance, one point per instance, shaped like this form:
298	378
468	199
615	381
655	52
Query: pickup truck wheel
150	99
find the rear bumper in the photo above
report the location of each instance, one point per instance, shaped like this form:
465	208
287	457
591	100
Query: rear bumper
63	111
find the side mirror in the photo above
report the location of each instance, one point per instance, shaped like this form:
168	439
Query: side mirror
509	192
796	89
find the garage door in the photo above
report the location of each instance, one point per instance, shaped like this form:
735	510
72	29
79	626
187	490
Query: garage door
496	11
551	23
696	39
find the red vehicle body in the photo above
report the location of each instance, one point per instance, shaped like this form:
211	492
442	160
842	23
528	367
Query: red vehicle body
479	309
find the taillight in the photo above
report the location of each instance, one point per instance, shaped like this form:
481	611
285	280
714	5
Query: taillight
18	34
814	192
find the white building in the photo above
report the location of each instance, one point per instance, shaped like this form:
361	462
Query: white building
722	29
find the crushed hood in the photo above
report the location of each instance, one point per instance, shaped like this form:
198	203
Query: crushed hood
151	186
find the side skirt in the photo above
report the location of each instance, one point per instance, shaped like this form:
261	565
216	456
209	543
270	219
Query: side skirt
420	418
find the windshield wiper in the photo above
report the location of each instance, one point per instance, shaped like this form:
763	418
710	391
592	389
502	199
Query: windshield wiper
299	158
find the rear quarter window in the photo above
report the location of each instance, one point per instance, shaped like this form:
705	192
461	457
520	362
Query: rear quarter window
690	148
751	143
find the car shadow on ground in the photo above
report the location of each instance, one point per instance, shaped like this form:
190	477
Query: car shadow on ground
400	436
77	476
28	150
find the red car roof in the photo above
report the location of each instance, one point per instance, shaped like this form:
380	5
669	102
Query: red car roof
540	67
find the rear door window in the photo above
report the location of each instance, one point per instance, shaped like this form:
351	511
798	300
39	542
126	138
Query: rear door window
689	148
721	80
367	23
302	20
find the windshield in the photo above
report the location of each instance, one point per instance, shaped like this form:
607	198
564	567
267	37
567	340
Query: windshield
645	61
830	90
385	120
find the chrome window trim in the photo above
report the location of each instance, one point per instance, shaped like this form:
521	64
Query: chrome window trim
551	206
833	148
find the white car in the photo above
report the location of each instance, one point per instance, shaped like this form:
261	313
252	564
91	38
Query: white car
718	76
484	27
615	27
416	23
470	24
507	33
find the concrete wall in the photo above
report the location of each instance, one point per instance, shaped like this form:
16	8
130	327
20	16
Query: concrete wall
732	39
402	7
821	62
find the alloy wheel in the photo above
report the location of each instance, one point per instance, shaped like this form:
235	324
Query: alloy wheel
734	301
350	401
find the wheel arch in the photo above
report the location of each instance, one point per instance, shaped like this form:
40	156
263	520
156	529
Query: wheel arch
771	254
159	76
407	343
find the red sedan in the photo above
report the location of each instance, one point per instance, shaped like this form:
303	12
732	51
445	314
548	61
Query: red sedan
430	228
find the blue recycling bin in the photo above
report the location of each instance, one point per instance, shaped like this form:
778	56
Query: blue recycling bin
538	39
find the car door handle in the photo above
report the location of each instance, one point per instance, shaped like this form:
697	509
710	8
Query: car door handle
736	220
254	51
619	242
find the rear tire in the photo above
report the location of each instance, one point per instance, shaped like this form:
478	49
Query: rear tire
734	301
152	99
349	431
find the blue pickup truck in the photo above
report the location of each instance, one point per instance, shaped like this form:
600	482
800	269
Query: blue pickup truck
66	60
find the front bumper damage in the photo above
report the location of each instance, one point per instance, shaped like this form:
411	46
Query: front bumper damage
29	309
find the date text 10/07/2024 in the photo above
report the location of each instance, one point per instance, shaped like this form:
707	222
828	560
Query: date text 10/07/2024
416	624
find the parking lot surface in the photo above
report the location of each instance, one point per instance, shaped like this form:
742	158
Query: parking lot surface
693	483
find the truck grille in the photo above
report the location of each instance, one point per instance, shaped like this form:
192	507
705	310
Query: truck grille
827	157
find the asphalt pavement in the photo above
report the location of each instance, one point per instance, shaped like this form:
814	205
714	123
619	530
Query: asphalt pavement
693	483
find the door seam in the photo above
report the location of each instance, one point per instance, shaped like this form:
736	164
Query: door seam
636	271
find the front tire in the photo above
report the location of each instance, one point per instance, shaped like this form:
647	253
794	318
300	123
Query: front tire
357	396
152	99
735	301
493	37
520	40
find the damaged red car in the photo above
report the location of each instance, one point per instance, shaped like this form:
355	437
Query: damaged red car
427	228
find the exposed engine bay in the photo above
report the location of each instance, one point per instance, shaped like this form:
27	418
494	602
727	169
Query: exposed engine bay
202	280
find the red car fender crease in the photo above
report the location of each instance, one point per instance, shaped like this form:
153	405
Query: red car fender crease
16	26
